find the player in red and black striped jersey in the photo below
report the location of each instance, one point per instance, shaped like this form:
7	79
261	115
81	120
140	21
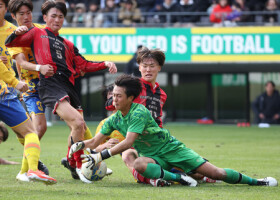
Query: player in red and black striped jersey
58	91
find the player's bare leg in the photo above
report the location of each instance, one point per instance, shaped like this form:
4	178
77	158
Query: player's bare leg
129	156
76	123
233	177
149	169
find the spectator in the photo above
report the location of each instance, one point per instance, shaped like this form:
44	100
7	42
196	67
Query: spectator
212	6
129	14
256	5
170	6
267	106
235	15
271	6
103	3
220	11
188	6
244	8
132	66
146	5
91	16
105	17
79	18
4	134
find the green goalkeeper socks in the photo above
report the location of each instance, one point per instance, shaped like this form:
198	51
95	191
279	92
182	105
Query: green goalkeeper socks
154	171
234	177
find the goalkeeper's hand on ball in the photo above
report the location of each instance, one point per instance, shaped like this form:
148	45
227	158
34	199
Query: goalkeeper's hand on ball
76	147
91	159
94	158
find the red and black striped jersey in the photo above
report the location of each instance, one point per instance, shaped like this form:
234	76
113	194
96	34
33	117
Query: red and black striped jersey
153	99
50	48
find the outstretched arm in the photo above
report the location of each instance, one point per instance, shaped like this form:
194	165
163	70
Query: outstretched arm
83	65
21	37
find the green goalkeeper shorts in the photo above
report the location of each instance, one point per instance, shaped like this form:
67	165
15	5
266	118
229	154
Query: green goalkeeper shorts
176	154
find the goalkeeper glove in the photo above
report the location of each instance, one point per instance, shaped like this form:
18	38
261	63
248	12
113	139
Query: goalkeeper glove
95	158
76	147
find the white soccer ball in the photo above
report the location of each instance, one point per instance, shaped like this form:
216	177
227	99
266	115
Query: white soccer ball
97	173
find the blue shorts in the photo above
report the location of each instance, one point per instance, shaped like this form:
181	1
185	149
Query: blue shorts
11	111
34	104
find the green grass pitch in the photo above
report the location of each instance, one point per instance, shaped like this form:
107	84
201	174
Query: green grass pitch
251	150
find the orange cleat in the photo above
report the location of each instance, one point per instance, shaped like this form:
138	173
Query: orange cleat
40	177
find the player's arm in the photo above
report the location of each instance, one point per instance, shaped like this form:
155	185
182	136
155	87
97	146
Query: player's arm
86	66
46	70
93	159
9	78
21	37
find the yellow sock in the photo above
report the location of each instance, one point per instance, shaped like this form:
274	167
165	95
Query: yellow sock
24	165
32	150
87	134
21	140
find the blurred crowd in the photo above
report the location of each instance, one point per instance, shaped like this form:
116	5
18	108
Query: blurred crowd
130	13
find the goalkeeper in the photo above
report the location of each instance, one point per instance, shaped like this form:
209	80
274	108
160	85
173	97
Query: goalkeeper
159	150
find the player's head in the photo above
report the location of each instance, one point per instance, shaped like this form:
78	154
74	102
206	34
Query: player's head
53	14
150	62
3	9
126	89
3	132
269	87
21	11
107	92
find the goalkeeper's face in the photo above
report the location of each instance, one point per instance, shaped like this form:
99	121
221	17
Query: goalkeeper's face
121	101
149	69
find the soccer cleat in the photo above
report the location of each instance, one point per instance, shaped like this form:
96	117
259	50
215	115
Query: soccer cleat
65	163
42	167
159	182
109	171
82	177
40	176
186	180
267	181
22	177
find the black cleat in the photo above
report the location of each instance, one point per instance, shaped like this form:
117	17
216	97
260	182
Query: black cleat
42	167
65	163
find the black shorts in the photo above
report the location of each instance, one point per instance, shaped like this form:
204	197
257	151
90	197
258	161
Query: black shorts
55	89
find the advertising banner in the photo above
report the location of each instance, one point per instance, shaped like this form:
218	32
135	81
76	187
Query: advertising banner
182	45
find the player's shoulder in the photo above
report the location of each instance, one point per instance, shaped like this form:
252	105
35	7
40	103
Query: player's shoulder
9	27
138	109
39	25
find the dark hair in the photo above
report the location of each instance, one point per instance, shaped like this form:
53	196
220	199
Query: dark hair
4	130
106	90
131	84
6	2
49	4
156	54
270	82
15	5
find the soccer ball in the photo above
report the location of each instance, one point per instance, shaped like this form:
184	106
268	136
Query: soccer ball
95	174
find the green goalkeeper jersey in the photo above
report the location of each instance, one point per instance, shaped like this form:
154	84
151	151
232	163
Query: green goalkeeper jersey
151	138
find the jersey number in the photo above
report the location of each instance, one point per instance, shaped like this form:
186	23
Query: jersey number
58	54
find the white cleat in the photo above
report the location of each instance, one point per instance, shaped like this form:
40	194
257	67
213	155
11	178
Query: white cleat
22	177
187	180
268	181
109	171
82	177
